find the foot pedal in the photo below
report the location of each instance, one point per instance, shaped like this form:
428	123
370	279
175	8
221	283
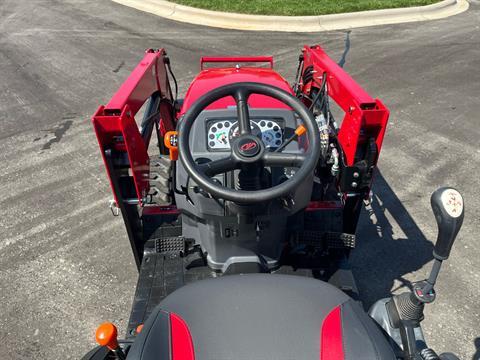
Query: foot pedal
336	240
326	240
171	245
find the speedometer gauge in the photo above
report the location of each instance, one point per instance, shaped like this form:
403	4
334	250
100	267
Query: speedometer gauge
218	135
271	133
221	132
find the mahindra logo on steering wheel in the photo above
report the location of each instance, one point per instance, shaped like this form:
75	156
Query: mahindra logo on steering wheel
248	146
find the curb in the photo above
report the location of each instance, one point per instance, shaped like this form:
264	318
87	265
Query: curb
236	21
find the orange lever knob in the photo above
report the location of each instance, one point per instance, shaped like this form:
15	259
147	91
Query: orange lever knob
171	142
300	130
106	335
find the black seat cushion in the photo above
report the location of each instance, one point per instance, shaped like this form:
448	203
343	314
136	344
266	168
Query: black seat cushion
259	317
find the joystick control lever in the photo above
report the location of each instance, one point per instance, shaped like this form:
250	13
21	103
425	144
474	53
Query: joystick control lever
406	309
106	335
447	206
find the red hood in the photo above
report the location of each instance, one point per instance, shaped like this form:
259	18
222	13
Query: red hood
210	79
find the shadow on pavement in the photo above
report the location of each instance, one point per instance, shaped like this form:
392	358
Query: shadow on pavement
390	245
476	342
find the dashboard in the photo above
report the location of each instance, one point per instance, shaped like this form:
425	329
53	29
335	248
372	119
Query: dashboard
220	132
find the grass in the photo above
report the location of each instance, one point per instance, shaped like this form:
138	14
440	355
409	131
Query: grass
299	7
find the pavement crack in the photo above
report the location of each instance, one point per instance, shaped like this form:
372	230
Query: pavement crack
117	69
343	59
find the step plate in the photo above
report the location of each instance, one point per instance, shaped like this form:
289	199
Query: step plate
163	271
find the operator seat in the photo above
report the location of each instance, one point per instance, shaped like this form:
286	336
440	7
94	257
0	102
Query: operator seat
259	317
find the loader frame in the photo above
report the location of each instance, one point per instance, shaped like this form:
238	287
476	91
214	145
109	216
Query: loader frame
124	146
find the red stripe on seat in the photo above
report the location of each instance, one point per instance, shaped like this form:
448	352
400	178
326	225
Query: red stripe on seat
182	344
331	337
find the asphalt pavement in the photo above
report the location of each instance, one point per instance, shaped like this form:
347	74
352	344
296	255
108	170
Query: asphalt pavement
65	262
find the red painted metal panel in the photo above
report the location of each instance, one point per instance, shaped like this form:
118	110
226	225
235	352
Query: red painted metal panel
105	130
358	125
349	134
377	120
341	87
115	124
137	153
121	130
323	205
182	344
160	210
210	79
236	59
364	116
331	341
146	78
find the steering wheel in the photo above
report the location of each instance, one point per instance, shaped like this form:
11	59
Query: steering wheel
247	149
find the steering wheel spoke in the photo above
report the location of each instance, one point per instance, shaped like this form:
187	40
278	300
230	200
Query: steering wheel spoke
218	166
283	159
241	98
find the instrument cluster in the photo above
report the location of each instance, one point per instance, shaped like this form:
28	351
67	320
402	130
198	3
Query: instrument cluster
221	132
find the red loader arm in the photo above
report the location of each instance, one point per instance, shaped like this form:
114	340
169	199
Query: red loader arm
361	133
117	130
365	117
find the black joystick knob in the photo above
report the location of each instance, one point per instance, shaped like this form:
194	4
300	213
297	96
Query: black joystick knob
407	309
448	208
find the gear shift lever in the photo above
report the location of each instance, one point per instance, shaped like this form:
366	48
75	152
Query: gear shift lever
406	310
447	206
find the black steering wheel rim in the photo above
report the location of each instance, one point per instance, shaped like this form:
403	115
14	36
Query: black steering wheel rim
240	92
